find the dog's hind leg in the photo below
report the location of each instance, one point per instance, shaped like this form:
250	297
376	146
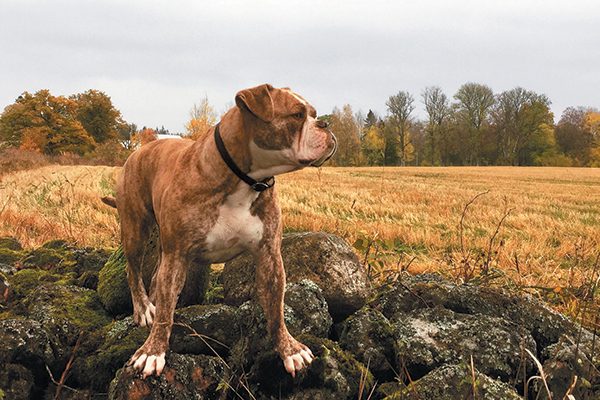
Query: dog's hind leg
135	235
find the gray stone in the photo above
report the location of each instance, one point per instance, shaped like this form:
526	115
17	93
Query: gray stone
430	337
323	258
451	382
370	337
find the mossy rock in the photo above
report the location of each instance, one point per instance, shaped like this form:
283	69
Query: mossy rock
451	382
370	337
10	243
184	377
26	343
113	288
333	370
23	282
56	259
431	337
16	382
305	312
66	311
57	244
121	339
9	256
215	322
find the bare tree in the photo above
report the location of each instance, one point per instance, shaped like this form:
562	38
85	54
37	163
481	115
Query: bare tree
437	108
474	104
400	107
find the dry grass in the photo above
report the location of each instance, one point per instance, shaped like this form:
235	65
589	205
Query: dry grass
59	201
550	238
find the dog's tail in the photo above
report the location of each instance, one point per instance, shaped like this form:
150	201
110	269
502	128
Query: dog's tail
109	201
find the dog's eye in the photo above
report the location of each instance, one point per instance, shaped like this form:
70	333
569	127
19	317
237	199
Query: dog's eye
299	115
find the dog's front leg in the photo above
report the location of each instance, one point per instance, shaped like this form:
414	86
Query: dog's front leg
170	279
270	287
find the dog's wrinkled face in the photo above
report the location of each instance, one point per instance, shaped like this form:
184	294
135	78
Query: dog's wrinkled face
286	134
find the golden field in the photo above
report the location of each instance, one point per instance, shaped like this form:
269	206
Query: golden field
405	217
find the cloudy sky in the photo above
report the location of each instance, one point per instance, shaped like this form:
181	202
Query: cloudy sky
156	58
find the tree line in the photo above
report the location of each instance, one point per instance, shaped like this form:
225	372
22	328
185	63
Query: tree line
476	127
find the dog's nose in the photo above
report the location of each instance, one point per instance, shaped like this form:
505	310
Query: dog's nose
322	124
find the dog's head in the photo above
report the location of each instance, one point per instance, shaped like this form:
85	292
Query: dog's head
285	133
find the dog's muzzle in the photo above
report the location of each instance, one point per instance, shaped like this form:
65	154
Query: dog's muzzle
322	160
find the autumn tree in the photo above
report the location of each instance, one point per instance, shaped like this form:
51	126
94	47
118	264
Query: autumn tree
97	115
438	110
400	108
572	137
373	145
202	118
347	131
474	102
45	123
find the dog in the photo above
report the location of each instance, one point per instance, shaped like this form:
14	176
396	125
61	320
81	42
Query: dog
212	199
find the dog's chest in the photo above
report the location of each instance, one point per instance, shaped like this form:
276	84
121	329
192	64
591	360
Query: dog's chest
236	229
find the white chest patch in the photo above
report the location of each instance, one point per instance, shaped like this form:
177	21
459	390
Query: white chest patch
236	228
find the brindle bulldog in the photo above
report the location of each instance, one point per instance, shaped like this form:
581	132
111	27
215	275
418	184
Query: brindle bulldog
212	199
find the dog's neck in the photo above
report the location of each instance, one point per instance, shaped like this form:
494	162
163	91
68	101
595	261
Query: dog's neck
208	159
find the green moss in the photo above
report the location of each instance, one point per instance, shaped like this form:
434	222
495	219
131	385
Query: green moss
8	256
10	243
58	260
122	339
334	368
66	311
25	281
56	244
113	289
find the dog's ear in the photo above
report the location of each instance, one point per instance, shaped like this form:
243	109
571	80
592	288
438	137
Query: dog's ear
258	101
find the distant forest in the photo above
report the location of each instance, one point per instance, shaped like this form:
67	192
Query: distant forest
475	127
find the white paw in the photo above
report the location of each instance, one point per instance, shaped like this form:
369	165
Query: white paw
297	361
149	365
147	317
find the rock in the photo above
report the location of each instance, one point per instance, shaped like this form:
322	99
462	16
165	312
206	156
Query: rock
370	337
7	269
566	359
26	345
113	288
305	312
312	394
16	382
10	243
184	377
66	311
323	258
10	257
121	339
216	323
428	338
451	382
60	260
335	370
5	289
427	290
23	282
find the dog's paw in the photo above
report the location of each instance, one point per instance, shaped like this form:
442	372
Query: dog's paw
299	360
148	364
144	316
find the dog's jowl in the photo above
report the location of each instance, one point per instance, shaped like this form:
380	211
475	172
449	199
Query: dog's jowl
212	199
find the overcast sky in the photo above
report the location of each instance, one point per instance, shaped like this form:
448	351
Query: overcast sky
156	58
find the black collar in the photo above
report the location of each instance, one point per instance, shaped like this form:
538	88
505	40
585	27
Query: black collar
257	186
